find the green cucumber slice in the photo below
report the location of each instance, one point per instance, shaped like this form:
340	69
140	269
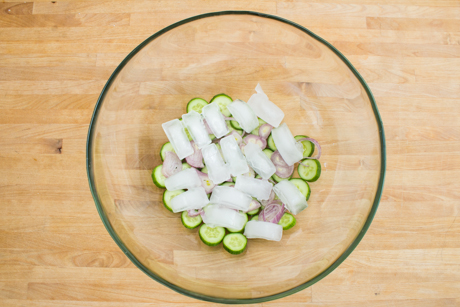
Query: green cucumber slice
268	152
271	143
235	243
254	212
287	221
166	147
235	125
242	228
222	100
230	129
310	173
157	177
168	196
279	179
227	184
211	236
302	185
187	133
190	222
196	104
308	147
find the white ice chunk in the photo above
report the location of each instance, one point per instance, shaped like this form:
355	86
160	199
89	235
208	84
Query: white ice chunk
233	155
264	108
286	145
257	188
263	230
195	198
290	196
195	125
244	115
218	216
230	198
218	171
259	161
185	179
176	135
215	120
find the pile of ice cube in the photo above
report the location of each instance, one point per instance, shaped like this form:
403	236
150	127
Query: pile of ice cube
227	202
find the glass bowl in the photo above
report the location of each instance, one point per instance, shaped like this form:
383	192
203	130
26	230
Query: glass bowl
322	96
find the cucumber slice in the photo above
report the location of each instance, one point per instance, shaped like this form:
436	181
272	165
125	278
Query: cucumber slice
235	125
227	184
254	212
187	133
268	152
204	170
255	218
310	173
235	243
190	222
211	236
308	147
222	101
166	147
287	221
279	179
271	143
242	228
230	129
168	196
302	185
158	178
185	166
196	104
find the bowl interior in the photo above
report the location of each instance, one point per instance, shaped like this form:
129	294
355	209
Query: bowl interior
230	53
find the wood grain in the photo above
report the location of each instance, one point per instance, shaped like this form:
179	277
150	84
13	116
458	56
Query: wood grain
55	57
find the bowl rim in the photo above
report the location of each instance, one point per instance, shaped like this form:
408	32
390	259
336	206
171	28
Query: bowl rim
192	294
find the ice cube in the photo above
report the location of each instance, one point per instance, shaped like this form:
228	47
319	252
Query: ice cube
176	135
218	171
257	188
195	198
290	196
259	161
286	145
218	216
230	198
185	179
195	125
263	230
215	120
264	108
233	155
244	115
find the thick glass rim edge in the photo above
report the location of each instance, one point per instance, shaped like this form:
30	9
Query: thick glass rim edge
192	294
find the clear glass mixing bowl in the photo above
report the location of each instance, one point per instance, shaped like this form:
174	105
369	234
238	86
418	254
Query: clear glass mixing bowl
322	95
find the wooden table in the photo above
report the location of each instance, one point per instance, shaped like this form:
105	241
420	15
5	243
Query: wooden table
55	57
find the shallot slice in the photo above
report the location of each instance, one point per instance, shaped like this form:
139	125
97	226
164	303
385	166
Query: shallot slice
171	165
265	130
196	159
